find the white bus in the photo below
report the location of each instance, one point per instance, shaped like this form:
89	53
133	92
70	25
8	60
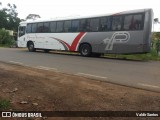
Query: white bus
119	33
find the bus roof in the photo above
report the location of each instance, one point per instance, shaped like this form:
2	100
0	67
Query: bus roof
79	17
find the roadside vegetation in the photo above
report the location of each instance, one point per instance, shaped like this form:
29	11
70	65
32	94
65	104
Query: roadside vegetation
5	39
9	21
153	55
4	104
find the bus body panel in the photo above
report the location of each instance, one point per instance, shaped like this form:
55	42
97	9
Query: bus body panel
134	44
147	30
21	42
21	39
57	41
116	42
64	41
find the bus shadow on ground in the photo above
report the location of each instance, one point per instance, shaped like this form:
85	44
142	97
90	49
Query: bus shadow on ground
76	54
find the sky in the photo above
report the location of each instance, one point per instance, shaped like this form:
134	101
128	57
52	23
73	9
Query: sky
50	9
71	8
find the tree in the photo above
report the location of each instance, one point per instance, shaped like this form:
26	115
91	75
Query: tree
32	17
8	17
156	20
12	10
3	19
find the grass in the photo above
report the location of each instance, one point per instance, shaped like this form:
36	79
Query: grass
148	56
4	45
4	104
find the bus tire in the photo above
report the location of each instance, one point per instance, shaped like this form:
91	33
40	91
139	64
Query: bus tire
31	47
85	50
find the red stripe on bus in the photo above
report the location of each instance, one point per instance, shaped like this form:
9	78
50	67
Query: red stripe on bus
75	41
63	42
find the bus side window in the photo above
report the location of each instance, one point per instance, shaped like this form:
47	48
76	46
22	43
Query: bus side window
46	27
34	27
53	27
67	26
21	31
117	23
128	22
85	25
82	25
94	24
40	28
105	24
138	21
133	22
59	26
29	28
75	26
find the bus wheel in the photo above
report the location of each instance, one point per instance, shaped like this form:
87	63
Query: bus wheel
31	47
46	50
85	50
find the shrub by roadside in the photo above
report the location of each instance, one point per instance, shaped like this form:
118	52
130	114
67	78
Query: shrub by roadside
4	104
5	38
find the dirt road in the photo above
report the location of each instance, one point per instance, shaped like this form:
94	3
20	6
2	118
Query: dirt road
34	89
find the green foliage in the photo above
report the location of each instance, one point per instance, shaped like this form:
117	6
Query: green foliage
156	36
5	38
156	41
149	56
8	18
32	17
4	104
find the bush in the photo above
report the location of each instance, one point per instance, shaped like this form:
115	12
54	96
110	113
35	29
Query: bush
4	104
5	38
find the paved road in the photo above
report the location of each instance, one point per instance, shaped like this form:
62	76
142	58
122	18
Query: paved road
138	74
